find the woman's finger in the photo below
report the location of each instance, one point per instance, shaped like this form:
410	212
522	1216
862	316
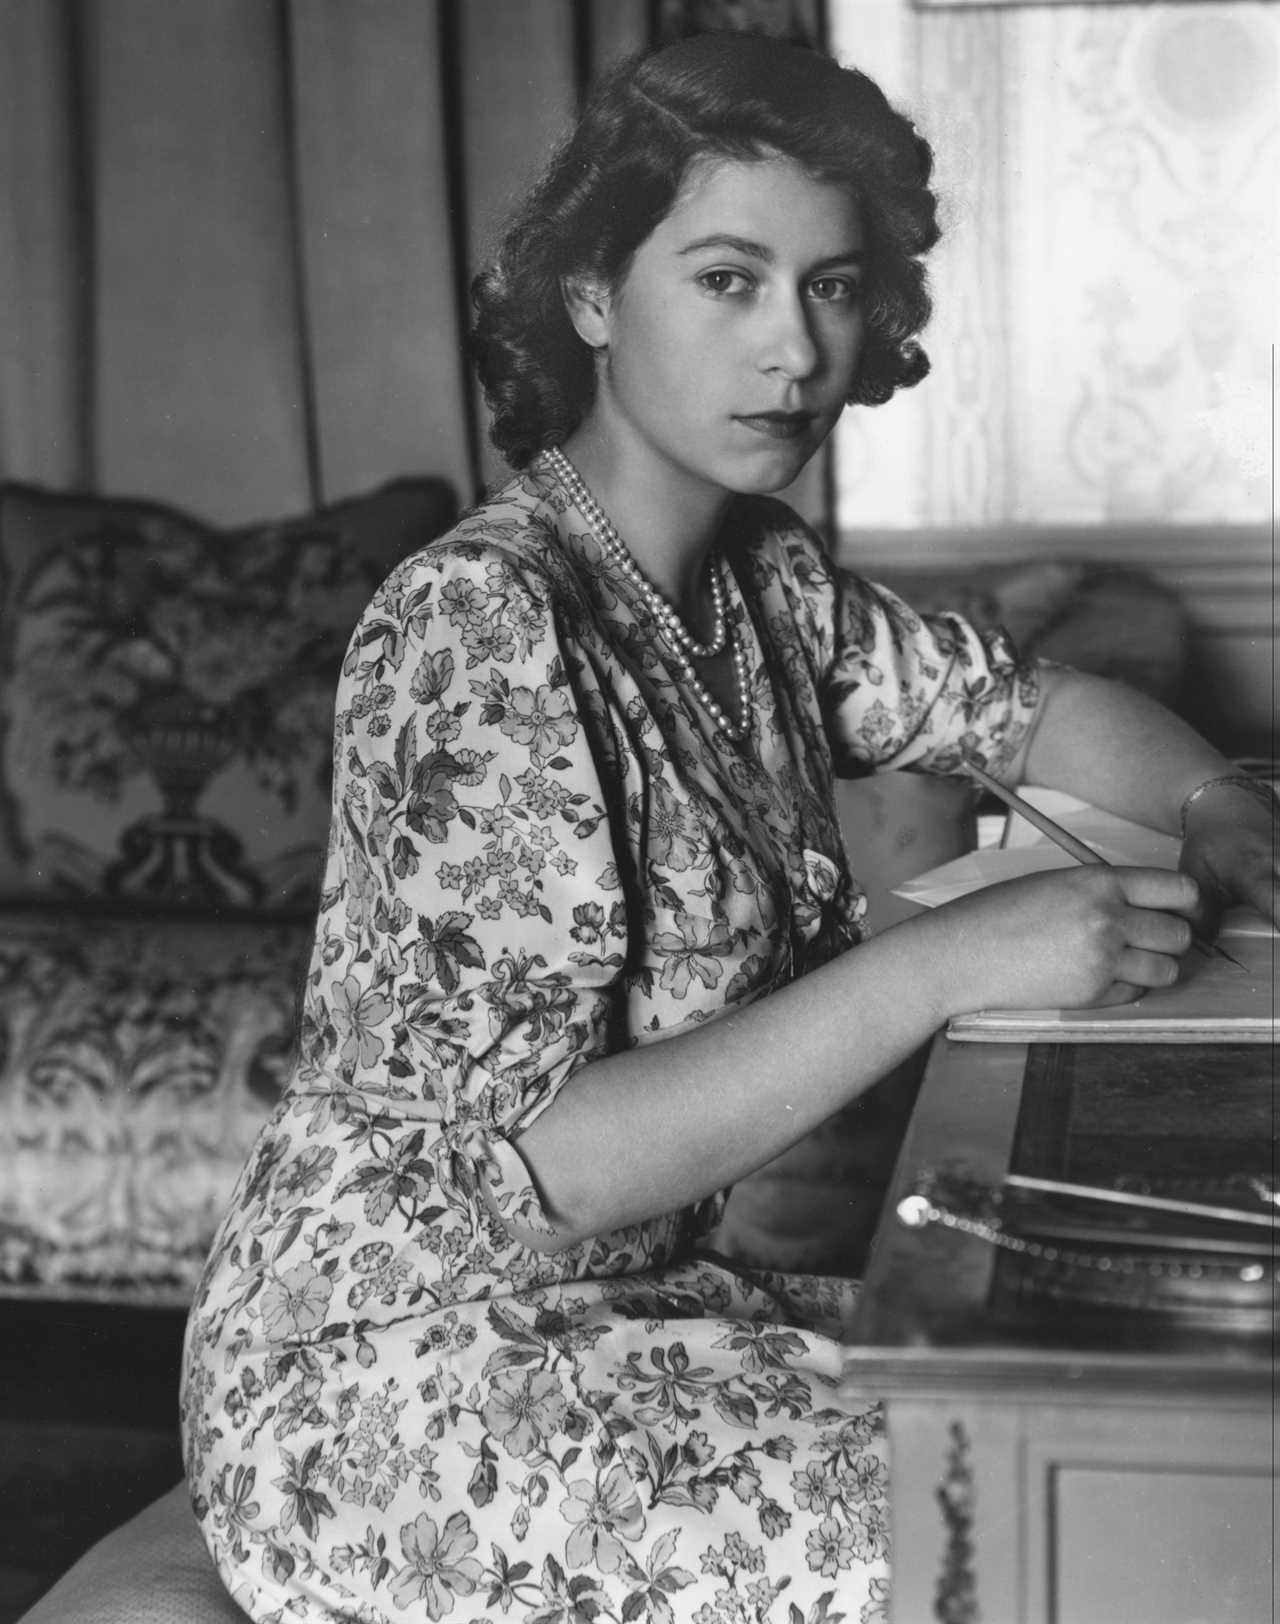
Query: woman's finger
1119	992
1165	889
1252	881
1156	931
1260	889
1143	968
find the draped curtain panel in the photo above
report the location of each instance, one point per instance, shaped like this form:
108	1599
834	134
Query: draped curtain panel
239	232
1106	289
236	236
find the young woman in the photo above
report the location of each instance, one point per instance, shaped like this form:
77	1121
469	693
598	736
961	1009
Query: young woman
590	948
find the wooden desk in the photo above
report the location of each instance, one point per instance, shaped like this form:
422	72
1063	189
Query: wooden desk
1054	1464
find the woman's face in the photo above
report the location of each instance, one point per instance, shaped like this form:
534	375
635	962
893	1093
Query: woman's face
732	342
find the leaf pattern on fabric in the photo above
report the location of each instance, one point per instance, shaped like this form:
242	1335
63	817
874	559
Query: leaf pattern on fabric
397	1400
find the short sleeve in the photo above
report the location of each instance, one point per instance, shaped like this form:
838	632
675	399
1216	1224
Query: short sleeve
467	952
904	690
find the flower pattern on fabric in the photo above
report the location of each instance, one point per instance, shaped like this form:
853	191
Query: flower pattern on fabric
401	1394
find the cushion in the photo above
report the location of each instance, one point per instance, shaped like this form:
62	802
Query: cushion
153	1570
1122	623
1110	620
166	692
138	1059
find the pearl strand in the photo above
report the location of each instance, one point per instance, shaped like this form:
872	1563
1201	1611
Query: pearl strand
617	550
684	645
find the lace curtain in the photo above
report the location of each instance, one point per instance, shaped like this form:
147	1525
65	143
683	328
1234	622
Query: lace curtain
1106	291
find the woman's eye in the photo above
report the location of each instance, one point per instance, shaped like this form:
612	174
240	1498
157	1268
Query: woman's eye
722	282
833	289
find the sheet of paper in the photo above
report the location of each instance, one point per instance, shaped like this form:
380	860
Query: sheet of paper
1212	1001
1026	851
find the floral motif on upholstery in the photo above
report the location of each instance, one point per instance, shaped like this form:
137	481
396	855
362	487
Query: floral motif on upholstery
138	1060
167	689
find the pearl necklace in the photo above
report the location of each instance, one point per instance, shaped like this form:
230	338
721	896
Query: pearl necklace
685	646
616	549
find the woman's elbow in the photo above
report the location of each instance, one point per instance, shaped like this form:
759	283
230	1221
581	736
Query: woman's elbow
540	1227
550	1241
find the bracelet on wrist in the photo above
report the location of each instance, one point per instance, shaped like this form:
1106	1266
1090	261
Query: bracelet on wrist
1257	787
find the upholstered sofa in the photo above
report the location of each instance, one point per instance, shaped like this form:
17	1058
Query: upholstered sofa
165	732
166	702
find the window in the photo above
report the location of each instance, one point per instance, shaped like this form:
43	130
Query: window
1106	290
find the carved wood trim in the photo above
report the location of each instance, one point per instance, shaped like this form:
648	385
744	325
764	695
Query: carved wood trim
956	1596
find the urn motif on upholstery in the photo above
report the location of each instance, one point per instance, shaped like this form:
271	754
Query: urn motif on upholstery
166	712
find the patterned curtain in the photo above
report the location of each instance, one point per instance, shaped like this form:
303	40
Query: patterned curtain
1107	289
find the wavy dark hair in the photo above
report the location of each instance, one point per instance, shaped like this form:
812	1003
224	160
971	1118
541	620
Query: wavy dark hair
617	175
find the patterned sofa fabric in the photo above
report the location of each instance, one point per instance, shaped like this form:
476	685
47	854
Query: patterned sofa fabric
166	692
138	1058
166	725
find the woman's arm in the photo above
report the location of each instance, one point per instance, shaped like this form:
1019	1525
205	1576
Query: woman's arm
651	1129
1115	748
655	1128
1125	752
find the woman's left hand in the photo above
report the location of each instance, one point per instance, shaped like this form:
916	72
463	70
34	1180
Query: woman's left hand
1231	848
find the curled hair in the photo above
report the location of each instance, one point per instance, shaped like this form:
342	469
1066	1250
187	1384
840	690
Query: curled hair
617	175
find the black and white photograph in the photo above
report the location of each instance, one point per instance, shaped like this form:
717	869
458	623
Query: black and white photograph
639	840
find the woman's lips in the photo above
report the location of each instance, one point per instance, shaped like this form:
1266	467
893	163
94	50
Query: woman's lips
778	425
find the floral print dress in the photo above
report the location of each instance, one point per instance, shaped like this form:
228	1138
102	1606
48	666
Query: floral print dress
401	1400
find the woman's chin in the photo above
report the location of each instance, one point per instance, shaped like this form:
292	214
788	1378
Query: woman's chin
766	476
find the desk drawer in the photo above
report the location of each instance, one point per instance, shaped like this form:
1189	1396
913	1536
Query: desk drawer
1065	1513
1157	1545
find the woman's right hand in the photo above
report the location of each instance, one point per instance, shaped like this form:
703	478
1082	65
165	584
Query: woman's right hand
1065	939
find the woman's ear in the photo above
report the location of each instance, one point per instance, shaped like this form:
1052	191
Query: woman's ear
588	303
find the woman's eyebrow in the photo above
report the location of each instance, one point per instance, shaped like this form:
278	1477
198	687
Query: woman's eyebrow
850	256
760	251
739	245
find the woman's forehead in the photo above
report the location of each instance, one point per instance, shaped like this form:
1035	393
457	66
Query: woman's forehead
771	195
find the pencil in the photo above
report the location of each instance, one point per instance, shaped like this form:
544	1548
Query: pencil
1060	836
1064	838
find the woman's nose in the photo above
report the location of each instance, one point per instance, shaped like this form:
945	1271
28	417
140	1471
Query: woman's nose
787	345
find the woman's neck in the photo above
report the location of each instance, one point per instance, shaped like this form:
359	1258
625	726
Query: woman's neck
668	524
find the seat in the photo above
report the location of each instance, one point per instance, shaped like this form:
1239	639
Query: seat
152	1570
